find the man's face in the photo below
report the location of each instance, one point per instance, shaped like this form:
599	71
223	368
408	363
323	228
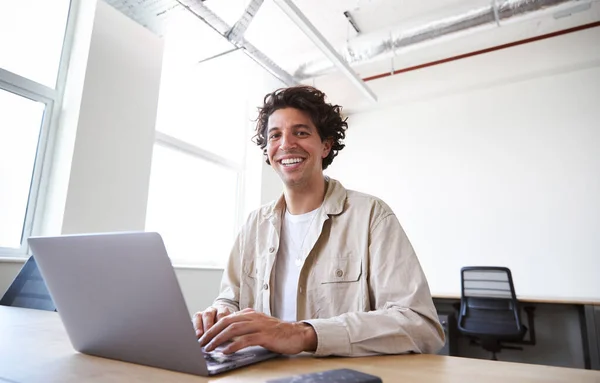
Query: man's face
294	147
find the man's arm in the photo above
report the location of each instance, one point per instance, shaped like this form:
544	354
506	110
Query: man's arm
228	300
404	317
229	296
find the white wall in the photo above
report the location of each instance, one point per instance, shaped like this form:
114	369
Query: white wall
110	169
8	272
492	160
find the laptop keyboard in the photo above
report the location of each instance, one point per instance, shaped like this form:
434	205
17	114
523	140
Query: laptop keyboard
216	357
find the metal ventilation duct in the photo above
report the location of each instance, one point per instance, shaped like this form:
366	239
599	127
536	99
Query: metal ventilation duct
373	47
207	16
153	14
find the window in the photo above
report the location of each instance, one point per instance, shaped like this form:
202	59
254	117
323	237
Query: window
29	95
196	182
197	189
26	50
192	202
20	124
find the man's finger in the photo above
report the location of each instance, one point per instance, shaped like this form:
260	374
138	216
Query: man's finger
197	321
208	319
234	330
254	339
210	333
222	312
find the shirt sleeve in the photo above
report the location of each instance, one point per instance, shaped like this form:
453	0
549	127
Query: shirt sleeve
229	295
403	318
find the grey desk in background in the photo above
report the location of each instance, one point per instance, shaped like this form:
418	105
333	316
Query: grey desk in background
589	320
592	326
448	321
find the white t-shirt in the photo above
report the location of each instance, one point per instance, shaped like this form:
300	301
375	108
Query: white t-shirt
293	249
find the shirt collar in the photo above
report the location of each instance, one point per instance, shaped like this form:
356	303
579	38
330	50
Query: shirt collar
333	203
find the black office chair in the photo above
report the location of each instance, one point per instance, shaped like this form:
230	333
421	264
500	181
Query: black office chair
489	310
28	290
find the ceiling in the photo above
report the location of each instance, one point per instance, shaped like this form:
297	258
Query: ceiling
279	39
272	32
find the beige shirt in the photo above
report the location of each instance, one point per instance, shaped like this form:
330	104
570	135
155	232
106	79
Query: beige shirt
361	286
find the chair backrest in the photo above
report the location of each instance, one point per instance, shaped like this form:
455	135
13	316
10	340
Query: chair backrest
28	290
489	305
487	282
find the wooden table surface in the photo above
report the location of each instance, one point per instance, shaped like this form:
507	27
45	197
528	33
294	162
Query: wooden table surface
34	347
526	299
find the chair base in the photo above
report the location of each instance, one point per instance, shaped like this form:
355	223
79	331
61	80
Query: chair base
493	347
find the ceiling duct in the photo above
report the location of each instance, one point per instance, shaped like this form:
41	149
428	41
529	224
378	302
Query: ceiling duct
373	46
207	16
237	31
153	14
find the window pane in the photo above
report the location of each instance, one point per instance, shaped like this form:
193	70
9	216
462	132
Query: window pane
192	204
207	105
20	122
32	38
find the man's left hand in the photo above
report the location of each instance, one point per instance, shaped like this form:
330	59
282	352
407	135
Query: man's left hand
248	328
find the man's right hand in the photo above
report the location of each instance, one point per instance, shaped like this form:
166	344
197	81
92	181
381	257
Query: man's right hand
204	320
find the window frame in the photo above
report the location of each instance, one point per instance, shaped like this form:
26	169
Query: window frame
52	99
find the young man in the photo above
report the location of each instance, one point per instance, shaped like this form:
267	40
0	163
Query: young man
323	269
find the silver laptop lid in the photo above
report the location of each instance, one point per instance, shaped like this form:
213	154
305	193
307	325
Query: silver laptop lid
118	297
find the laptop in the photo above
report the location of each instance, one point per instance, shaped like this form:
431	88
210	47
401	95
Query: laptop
118	297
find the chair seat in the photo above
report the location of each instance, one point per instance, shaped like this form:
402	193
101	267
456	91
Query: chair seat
489	331
491	323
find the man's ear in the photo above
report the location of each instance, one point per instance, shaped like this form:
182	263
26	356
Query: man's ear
328	144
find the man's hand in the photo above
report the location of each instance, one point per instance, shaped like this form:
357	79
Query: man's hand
204	320
249	328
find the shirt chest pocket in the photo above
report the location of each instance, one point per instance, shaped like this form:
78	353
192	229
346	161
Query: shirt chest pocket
255	268
339	289
341	270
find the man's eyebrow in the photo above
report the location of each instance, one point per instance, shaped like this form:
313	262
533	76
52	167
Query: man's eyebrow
295	126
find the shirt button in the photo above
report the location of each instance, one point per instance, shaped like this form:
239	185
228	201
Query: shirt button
339	273
271	249
265	287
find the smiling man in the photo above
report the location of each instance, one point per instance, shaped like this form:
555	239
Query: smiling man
322	269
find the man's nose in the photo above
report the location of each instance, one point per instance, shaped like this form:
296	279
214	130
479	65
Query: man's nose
288	141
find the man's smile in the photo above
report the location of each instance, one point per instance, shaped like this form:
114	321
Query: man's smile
291	161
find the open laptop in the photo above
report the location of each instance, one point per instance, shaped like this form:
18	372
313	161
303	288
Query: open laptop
118	297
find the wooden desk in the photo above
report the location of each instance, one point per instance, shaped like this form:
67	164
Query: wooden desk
526	299
34	348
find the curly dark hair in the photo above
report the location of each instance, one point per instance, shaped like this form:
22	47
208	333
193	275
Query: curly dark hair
327	118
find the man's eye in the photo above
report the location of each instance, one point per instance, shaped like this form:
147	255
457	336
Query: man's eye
302	133
273	136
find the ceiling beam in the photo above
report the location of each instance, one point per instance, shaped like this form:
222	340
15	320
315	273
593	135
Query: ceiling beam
239	28
290	9
206	15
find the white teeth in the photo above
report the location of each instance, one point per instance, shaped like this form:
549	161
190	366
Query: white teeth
289	161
